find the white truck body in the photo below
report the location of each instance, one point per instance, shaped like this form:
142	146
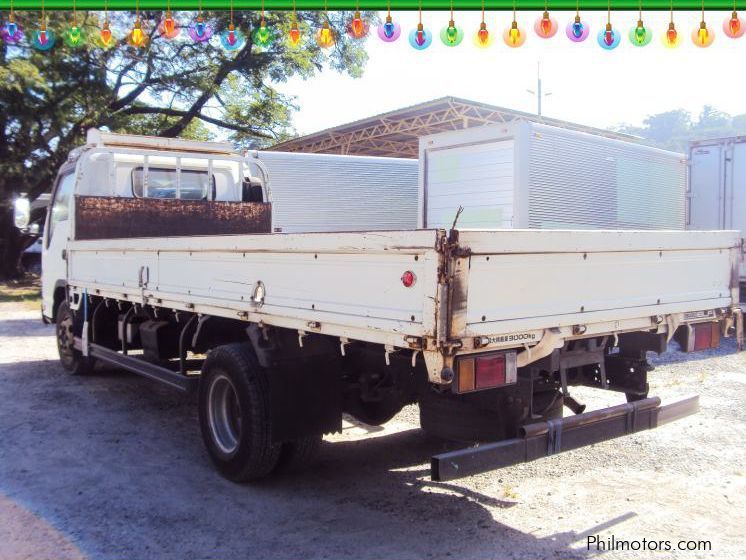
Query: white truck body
323	192
528	175
518	287
284	332
717	186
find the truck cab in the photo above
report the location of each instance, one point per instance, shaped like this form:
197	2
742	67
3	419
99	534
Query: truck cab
138	167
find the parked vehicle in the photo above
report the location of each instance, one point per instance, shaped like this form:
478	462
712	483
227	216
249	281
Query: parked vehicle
158	258
529	175
716	197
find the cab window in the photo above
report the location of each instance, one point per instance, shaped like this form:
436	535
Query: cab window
162	183
61	205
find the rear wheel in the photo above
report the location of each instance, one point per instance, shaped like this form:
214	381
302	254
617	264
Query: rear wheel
375	413
67	329
234	414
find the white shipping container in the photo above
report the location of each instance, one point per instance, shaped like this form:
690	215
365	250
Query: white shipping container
529	175
323	192
717	186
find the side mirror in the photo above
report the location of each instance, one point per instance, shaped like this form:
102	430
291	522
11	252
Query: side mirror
22	212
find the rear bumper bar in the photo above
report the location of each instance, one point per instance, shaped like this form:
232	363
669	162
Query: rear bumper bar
549	438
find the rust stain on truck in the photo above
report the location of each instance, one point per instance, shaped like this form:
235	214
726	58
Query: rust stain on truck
109	217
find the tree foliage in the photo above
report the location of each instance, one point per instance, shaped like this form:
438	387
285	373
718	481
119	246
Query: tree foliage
673	130
173	88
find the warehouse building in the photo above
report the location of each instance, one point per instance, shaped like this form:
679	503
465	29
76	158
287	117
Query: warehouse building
397	133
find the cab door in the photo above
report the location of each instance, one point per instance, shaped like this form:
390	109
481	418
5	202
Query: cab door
56	235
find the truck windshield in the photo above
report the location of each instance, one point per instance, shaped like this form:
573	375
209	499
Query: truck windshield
162	183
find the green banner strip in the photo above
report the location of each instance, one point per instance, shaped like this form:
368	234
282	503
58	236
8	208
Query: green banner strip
502	5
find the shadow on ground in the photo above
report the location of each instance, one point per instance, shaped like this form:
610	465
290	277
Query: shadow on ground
116	465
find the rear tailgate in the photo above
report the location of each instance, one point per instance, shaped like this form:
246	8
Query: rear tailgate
513	284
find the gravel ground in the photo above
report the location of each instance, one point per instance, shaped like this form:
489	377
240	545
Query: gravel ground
111	466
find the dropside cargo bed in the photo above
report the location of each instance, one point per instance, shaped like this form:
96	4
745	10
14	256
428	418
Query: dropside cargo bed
473	290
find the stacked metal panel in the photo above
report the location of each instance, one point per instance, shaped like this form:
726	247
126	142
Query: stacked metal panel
529	175
322	192
579	181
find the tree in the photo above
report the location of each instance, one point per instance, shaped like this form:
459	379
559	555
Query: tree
172	88
673	130
710	119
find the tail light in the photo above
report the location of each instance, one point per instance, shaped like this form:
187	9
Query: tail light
485	371
700	336
408	279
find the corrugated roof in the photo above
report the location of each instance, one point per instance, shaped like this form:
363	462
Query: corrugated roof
397	133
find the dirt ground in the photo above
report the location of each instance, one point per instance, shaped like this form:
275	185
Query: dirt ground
111	466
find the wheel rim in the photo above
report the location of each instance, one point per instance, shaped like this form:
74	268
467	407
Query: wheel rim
224	414
65	337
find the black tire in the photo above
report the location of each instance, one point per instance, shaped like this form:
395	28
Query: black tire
298	454
234	414
68	327
374	413
449	417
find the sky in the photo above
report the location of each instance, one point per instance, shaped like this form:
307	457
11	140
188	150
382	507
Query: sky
588	85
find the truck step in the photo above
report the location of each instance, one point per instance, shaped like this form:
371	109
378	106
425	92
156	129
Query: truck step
186	384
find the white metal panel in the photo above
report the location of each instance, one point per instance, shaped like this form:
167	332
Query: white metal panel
511	287
718	186
737	181
100	139
353	285
706	188
409	242
579	180
322	192
474	136
348	282
560	179
580	241
478	177
594	276
113	268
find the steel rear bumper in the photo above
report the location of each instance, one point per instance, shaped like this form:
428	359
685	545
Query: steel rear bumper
549	438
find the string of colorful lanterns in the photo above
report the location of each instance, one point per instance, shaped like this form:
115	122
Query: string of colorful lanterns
420	38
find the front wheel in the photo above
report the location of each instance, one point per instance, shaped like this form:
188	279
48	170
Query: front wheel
67	329
234	414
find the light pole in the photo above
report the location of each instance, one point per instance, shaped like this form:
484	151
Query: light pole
538	93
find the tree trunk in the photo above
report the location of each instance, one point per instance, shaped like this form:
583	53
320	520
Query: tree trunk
12	245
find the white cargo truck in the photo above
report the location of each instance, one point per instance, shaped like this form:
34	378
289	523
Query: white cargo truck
529	175
159	258
716	197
